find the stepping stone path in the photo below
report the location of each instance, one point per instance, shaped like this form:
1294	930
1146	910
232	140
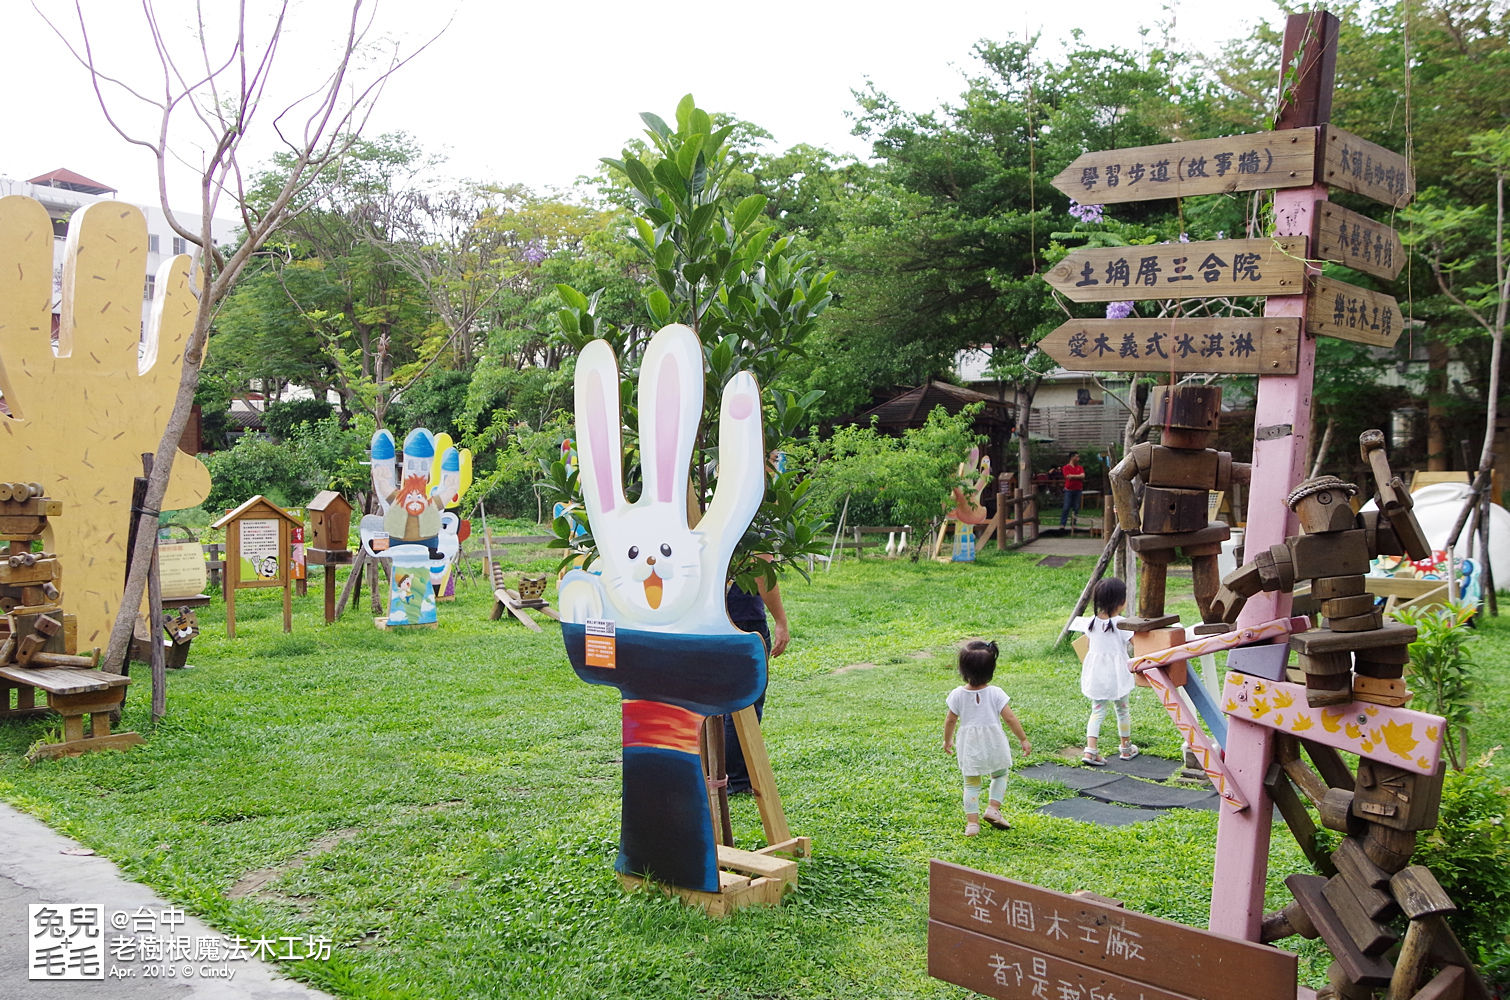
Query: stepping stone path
1121	791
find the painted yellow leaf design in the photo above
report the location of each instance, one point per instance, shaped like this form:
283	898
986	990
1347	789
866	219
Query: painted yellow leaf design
1423	763
1260	707
1431	733
1279	719
1283	699
1367	746
1401	738
1353	732
1231	706
1302	722
1331	721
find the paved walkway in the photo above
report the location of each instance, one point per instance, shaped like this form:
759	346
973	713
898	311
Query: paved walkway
1121	791
37	869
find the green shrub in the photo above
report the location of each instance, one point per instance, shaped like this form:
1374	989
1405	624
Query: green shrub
282	473
1469	853
281	419
1442	669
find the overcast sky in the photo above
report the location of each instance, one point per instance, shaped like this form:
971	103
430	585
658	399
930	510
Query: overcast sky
535	93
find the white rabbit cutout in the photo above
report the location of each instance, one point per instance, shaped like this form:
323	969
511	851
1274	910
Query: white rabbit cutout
658	574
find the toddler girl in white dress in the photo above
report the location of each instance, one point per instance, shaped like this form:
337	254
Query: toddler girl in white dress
978	709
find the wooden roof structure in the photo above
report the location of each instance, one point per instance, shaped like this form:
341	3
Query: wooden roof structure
911	408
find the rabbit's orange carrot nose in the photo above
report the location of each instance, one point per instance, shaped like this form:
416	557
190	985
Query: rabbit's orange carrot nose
653	590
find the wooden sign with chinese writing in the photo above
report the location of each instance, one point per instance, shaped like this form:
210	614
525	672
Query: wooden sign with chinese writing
1365	168
1357	241
1183	270
1199	166
1242	345
1012	940
1347	312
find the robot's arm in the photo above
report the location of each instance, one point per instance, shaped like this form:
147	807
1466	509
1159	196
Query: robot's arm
1133	467
1269	571
1394	499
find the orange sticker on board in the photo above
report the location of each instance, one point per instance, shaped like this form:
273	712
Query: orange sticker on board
600	644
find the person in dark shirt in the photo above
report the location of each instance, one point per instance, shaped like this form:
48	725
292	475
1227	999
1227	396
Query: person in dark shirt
748	613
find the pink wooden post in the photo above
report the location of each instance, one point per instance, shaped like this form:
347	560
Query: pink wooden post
1281	429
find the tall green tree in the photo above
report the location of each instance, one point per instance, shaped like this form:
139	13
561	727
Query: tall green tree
751	294
945	251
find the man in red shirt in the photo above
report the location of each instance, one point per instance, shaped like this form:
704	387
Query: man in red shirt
1074	483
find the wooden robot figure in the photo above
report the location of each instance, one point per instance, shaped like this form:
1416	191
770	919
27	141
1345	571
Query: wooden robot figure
1177	476
1334	552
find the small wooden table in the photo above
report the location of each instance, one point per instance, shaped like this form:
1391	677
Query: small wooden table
74	694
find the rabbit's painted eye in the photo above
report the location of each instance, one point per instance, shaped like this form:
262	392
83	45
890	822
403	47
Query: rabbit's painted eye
634	552
665	549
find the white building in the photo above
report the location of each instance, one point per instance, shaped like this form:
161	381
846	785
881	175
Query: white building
63	192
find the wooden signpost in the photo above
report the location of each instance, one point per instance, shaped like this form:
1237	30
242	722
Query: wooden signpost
1010	940
1230	344
1209	269
1255	162
1347	312
1362	167
256	554
1358	242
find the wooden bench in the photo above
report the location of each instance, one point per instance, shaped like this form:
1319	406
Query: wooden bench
73	694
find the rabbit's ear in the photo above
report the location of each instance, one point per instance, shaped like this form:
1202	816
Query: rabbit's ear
671	403
599	439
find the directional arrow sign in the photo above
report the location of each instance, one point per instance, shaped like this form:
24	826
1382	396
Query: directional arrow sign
1240	345
1347	312
1361	167
1183	270
1199	166
1359	242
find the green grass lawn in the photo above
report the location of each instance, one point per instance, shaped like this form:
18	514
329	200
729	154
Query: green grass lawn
443	804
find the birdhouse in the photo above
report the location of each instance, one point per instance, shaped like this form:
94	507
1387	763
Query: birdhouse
330	520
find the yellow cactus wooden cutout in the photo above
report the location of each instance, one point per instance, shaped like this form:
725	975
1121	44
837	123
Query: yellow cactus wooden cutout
81	419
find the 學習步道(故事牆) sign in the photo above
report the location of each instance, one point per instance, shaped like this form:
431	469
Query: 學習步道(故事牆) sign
1009	939
1366	168
1347	312
1237	345
1252	162
1358	242
1210	269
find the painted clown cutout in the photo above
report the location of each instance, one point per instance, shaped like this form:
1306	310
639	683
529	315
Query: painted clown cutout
415	531
653	623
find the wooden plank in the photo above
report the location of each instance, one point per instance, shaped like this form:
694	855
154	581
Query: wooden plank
1358	242
1011	972
972	912
1243	345
1365	970
1362	167
1253	162
753	863
72	748
1403	737
1347	312
61	680
762	778
1210	269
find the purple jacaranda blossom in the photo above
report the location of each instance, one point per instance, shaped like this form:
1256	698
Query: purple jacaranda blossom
534	252
1086	213
1119	310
